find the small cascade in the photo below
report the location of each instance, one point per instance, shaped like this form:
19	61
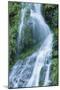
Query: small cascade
23	11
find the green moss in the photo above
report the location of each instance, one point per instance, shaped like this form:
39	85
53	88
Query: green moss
54	72
27	53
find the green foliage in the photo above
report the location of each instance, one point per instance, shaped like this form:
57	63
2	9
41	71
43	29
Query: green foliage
13	9
50	13
28	52
54	71
54	66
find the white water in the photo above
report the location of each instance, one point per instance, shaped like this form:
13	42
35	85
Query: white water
27	73
43	55
47	80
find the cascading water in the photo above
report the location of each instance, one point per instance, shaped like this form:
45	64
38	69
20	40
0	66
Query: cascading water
23	11
27	73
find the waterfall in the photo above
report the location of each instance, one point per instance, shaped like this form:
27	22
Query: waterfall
27	72
23	11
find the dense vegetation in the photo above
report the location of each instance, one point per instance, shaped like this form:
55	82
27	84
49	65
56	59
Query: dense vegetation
50	13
